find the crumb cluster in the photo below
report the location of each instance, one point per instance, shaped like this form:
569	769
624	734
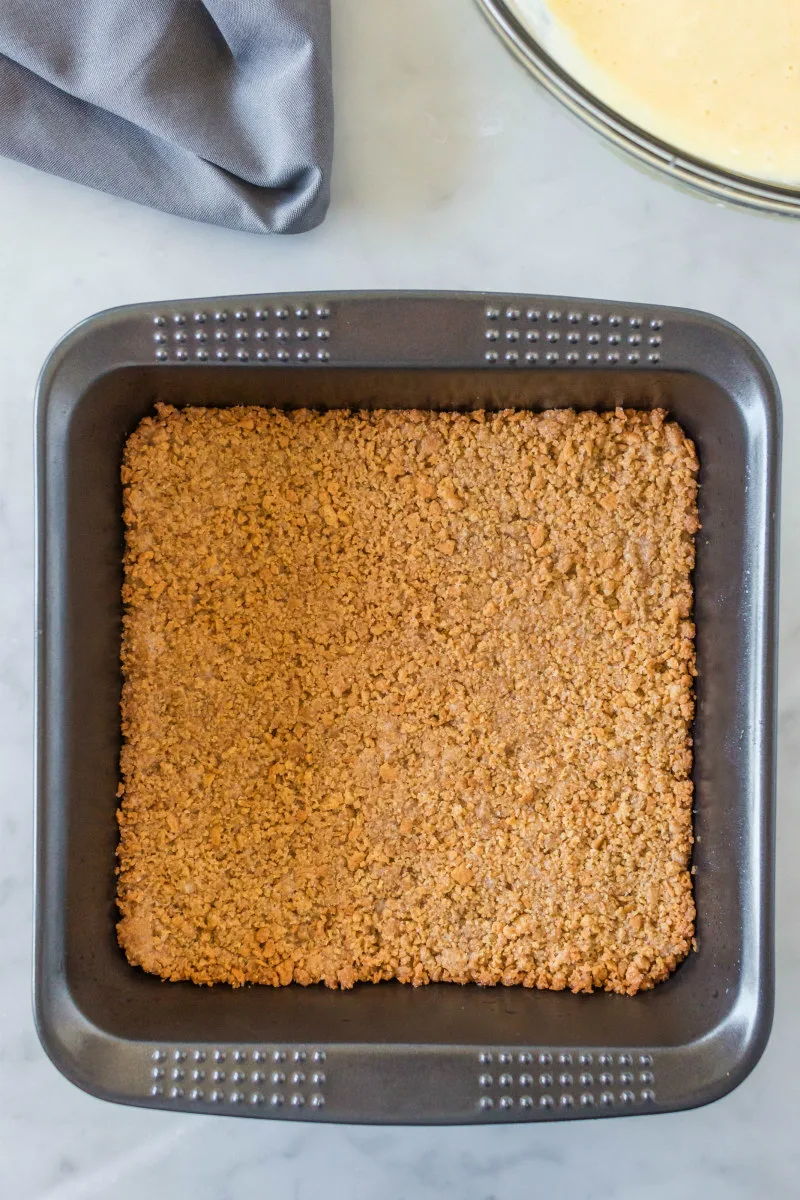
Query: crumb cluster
408	695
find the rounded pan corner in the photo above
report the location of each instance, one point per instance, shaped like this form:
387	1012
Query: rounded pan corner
92	347
717	1066
87	1058
741	349
50	1031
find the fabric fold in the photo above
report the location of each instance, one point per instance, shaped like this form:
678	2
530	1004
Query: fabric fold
217	110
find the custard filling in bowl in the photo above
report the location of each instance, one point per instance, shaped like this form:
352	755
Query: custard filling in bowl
718	79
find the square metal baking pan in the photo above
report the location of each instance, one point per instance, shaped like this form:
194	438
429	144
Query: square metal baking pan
388	1052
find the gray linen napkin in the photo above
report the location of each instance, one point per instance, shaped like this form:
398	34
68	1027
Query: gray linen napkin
218	110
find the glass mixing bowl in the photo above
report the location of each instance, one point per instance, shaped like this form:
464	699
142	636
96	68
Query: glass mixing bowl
521	37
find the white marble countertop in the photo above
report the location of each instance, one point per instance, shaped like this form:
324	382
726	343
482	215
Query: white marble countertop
452	171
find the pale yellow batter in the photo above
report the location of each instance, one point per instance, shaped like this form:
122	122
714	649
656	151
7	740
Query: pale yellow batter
719	79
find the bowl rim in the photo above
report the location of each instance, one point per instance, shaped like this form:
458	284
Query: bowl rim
683	169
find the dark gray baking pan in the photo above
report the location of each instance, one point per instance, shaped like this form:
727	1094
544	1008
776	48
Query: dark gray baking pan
391	1053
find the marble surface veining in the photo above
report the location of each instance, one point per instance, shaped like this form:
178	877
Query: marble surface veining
452	171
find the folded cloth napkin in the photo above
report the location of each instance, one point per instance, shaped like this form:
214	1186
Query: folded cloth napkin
219	110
